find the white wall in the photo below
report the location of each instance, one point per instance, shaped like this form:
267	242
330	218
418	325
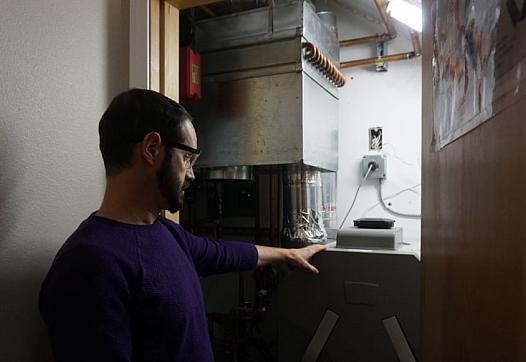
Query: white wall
391	100
61	61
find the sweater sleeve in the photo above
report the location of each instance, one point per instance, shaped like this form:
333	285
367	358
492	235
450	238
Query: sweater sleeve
84	302
219	256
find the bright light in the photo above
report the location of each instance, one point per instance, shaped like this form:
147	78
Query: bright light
407	13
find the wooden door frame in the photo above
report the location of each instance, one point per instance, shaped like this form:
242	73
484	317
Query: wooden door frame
154	47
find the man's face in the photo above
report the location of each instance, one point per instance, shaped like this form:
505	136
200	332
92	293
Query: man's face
173	177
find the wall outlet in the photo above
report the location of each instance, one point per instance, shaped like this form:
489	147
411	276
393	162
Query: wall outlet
379	163
375	138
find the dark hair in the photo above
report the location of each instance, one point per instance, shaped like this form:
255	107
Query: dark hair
130	116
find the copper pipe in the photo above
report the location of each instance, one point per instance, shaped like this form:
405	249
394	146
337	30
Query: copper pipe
378	38
205	9
417	51
368	61
380	5
416	43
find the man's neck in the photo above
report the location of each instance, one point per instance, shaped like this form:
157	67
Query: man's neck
128	202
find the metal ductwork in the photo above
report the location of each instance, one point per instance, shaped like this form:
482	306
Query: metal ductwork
269	97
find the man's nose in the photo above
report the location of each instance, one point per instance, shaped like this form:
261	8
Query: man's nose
190	174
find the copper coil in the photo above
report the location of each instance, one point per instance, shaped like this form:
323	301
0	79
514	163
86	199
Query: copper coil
333	71
343	80
336	76
310	50
328	68
324	65
317	56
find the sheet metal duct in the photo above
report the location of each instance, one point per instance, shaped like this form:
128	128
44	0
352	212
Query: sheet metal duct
262	102
265	102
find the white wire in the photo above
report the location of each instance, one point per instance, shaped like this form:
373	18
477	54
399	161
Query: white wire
395	155
356	195
388	209
391	196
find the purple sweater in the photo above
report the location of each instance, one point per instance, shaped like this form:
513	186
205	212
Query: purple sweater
121	292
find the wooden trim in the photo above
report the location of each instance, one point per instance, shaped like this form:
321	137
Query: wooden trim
170	51
139	44
169	60
155	45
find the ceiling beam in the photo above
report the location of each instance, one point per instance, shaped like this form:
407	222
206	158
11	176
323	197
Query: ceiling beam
185	4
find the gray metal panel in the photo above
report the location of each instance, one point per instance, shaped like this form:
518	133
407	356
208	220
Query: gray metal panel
233	30
258	107
359	334
253	57
288	17
250	27
254	73
262	59
255	121
320	126
285	21
318	34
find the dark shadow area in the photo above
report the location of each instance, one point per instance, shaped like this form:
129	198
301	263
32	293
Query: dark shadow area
10	174
19	306
117	47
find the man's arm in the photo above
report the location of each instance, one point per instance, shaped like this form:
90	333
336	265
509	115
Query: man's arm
220	256
295	257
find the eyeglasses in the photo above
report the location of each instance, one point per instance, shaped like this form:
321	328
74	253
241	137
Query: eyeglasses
191	155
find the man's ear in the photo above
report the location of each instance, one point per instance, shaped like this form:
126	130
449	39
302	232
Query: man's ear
150	148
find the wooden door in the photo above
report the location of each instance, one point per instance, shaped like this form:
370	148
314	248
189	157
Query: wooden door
473	235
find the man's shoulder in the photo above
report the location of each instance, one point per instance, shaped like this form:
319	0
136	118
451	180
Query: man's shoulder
92	240
175	228
180	234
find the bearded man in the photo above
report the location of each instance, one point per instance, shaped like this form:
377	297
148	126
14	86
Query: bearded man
125	285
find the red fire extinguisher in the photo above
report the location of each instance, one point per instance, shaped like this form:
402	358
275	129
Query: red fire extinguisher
189	75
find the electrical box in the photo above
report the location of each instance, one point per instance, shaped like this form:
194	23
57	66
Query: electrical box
378	164
190	75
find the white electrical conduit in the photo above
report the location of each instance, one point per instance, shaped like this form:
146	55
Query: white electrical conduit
356	195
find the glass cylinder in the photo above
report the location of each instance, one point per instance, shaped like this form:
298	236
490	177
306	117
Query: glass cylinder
302	201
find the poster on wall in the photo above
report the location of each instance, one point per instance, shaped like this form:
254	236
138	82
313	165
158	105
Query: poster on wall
479	63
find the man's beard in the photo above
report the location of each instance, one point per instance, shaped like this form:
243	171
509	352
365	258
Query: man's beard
169	187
